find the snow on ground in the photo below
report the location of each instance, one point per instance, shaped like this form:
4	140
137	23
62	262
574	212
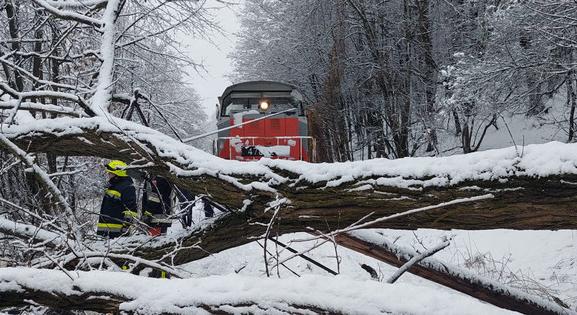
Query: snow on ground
515	128
539	261
523	130
338	294
520	129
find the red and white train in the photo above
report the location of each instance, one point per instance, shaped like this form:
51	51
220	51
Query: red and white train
282	136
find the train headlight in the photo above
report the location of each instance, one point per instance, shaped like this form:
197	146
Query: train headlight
263	105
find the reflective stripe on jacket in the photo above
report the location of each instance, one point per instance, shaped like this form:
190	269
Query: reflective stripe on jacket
115	194
110	227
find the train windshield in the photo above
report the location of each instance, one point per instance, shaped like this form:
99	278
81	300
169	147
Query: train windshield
275	105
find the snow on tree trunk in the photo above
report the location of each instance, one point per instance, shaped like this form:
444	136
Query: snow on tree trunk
533	191
103	95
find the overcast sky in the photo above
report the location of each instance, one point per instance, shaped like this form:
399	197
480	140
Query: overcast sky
211	84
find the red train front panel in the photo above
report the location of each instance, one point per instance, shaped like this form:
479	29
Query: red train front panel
283	137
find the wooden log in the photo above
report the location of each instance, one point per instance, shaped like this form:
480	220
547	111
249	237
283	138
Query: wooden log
452	277
101	302
519	201
105	293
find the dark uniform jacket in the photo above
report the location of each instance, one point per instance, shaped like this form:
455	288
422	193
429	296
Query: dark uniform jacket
118	205
156	197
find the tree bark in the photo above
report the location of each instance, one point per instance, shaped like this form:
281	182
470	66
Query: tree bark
572	101
429	67
13	28
101	302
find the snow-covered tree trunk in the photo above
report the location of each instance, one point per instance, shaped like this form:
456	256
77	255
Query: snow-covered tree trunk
102	97
517	192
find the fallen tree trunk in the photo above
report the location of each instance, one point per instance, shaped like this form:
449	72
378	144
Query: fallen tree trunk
527	195
232	294
101	302
533	191
459	279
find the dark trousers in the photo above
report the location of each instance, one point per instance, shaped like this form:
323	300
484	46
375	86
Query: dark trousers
208	209
109	234
159	274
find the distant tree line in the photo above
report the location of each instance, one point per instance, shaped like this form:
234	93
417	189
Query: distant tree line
398	78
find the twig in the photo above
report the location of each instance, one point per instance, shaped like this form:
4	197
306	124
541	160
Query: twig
282	264
266	237
303	256
417	259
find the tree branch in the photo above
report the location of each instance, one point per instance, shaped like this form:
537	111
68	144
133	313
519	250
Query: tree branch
374	245
69	15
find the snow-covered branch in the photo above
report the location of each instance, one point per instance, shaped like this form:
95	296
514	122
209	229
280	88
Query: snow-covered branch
375	245
47	94
36	80
101	99
75	4
416	259
66	214
70	15
32	106
29	232
385	187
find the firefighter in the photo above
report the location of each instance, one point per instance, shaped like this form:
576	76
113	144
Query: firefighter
119	203
157	204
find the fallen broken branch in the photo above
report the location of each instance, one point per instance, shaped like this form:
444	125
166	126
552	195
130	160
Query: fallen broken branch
530	192
374	245
417	259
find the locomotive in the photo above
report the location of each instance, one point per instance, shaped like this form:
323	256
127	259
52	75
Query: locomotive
262	119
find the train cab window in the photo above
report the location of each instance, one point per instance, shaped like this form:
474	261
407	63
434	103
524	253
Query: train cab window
234	108
275	105
234	105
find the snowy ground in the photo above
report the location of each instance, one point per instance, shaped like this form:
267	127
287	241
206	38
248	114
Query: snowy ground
539	261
